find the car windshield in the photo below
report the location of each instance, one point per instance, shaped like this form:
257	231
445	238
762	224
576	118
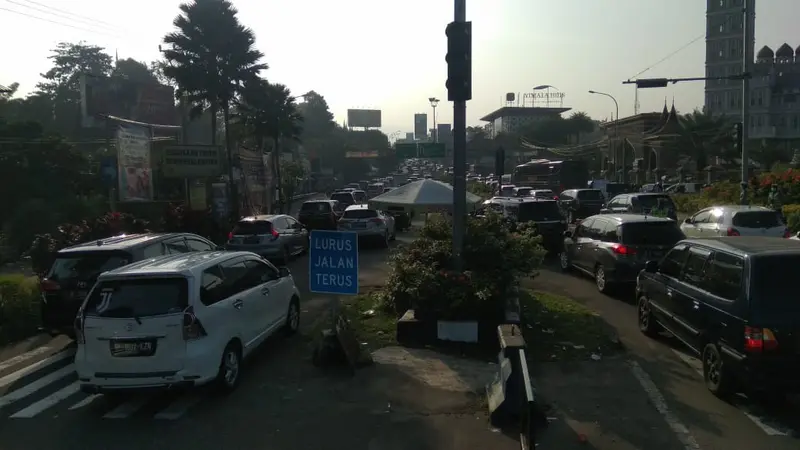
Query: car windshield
343	197
538	211
651	233
655	201
86	266
360	196
590	194
757	219
316	207
253	227
774	286
360	214
138	298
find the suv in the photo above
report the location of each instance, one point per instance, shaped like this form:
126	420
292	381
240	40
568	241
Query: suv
544	213
733	301
735	220
276	236
642	203
76	268
369	223
576	204
181	321
320	214
345	198
614	248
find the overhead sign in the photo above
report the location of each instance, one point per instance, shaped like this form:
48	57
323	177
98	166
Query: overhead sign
192	161
369	154
333	262
420	150
364	118
149	103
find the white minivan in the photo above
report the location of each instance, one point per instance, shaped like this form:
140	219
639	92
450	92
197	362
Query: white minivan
181	320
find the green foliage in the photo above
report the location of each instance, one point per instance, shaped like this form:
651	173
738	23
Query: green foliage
292	174
495	258
482	190
19	307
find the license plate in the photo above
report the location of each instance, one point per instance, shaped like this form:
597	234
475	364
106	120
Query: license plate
359	225
252	240
132	348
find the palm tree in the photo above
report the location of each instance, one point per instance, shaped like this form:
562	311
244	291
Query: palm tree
704	136
210	56
580	122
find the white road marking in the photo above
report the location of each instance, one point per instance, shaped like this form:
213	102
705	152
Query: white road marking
85	401
127	409
47	402
14	376
760	421
11	362
650	388
179	407
31	388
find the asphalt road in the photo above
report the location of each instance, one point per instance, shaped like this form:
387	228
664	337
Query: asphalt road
670	380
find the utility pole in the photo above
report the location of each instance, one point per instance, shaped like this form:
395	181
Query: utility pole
746	61
459	90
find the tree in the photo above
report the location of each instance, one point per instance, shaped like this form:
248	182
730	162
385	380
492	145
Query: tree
317	117
210	56
291	176
580	123
133	70
704	136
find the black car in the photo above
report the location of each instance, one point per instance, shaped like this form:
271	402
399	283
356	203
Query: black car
320	214
345	198
613	248
642	203
733	301
76	269
550	224
576	204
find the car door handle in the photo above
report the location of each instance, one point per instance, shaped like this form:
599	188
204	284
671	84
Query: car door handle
238	303
265	291
669	293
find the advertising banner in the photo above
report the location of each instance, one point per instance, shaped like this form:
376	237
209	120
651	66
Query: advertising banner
149	103
192	161
366	118
133	160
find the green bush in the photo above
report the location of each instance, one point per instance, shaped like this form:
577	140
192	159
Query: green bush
495	258
19	307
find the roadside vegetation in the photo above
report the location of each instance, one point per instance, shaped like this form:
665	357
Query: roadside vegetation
19	307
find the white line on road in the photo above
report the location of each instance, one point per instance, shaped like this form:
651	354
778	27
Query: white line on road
47	402
128	408
14	376
680	430
179	407
11	362
29	389
85	401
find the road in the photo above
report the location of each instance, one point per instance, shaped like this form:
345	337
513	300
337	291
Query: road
666	377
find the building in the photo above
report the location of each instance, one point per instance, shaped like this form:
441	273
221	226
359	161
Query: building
775	95
444	134
420	126
510	119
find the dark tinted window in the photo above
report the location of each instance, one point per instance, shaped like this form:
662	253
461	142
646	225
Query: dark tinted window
651	233
360	214
253	227
694	270
236	279
260	272
138	298
360	196
86	266
673	261
316	207
724	276
590	194
344	197
655	201
197	245
609	232
538	211
775	284
176	246
523	192
544	194
757	219
212	286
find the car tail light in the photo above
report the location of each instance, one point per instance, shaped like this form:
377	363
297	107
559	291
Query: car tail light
733	232
49	285
787	233
230	235
79	336
555	197
620	249
759	339
376	221
192	328
275	234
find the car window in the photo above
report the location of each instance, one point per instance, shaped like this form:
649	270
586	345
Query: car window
316	207
259	272
252	227
235	274
290	222
694	269
343	197
583	228
648	202
154	251
85	266
360	196
757	219
175	246
615	203
360	214
609	232
590	194
702	217
595	230
196	245
212	286
724	275
774	285
672	264
280	223
662	233
136	298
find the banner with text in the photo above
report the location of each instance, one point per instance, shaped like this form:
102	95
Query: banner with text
192	161
133	161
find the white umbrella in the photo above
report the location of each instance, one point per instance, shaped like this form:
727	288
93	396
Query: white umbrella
423	195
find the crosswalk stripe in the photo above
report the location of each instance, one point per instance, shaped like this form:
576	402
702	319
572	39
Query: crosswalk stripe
128	408
47	402
14	376
24	357
85	401
179	407
29	389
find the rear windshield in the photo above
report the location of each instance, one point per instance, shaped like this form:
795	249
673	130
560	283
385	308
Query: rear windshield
523	192
319	207
253	227
651	233
590	194
343	197
138	298
756	219
775	283
538	211
360	196
653	201
86	266
360	214
543	194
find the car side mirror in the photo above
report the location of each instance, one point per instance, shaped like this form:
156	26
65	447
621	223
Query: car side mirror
687	220
651	266
284	272
568	234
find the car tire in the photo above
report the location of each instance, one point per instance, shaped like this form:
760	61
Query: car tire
292	318
647	323
230	368
600	280
717	377
563	261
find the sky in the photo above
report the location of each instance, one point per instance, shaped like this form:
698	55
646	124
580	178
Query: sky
390	55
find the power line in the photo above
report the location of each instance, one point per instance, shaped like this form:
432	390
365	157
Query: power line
683	47
68	13
82	20
60	23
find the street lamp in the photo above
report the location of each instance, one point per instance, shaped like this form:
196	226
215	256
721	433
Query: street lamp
434	103
616	132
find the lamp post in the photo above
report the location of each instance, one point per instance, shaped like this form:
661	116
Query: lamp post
616	133
434	103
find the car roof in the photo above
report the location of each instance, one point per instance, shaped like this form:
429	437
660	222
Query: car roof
629	218
119	243
360	206
260	218
750	245
321	200
517	200
183	264
739	208
359	190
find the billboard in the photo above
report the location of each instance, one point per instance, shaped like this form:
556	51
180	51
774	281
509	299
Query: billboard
420	126
133	161
364	118
192	161
149	103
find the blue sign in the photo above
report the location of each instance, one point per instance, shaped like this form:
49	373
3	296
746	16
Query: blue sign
333	262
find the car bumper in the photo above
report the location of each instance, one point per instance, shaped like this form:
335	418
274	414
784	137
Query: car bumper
266	250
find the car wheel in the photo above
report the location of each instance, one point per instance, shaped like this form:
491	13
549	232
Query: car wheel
292	318
563	261
230	368
647	323
600	279
716	375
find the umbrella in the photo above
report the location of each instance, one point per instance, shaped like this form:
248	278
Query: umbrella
423	195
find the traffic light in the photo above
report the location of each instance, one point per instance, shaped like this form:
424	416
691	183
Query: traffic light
459	61
738	135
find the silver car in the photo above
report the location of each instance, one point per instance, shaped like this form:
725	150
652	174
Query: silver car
368	223
735	220
277	236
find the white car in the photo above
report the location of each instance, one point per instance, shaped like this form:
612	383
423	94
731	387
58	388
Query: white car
368	223
735	220
181	320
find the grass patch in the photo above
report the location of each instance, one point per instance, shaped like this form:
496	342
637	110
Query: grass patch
372	326
19	307
558	328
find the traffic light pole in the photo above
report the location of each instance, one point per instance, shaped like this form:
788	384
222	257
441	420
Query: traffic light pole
747	59
459	160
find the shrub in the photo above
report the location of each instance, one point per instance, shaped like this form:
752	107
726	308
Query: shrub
494	259
727	192
480	189
19	307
